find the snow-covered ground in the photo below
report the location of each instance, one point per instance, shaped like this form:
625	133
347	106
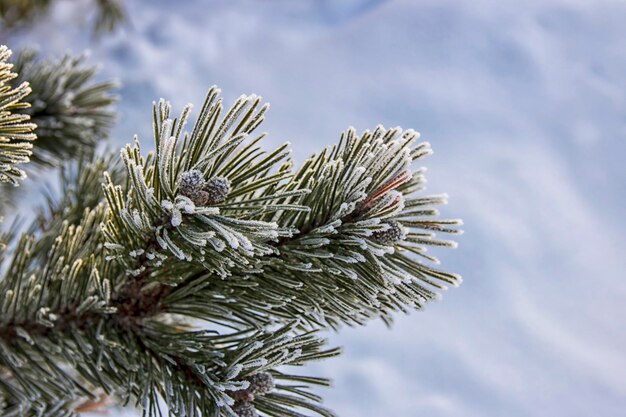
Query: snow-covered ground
525	106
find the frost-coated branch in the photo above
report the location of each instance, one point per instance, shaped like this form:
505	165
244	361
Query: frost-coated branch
72	111
16	133
200	269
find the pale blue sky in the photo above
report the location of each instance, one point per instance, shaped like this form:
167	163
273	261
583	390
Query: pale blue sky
524	104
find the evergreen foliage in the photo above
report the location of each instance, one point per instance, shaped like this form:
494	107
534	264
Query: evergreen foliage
14	13
199	273
73	113
17	14
16	133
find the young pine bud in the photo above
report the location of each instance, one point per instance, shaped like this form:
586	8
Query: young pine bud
217	189
261	383
191	185
394	234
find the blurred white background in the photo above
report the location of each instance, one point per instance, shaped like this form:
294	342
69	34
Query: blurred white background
524	104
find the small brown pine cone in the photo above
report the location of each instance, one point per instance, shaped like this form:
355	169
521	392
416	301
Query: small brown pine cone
261	383
217	189
394	234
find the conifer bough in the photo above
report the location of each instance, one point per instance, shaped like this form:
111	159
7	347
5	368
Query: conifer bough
16	133
16	14
73	113
201	272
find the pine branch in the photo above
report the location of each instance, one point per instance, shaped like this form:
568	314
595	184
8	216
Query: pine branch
15	133
110	16
18	14
73	113
310	272
347	254
209	227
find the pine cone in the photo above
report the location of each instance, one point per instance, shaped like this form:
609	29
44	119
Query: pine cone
394	234
261	383
191	184
217	189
